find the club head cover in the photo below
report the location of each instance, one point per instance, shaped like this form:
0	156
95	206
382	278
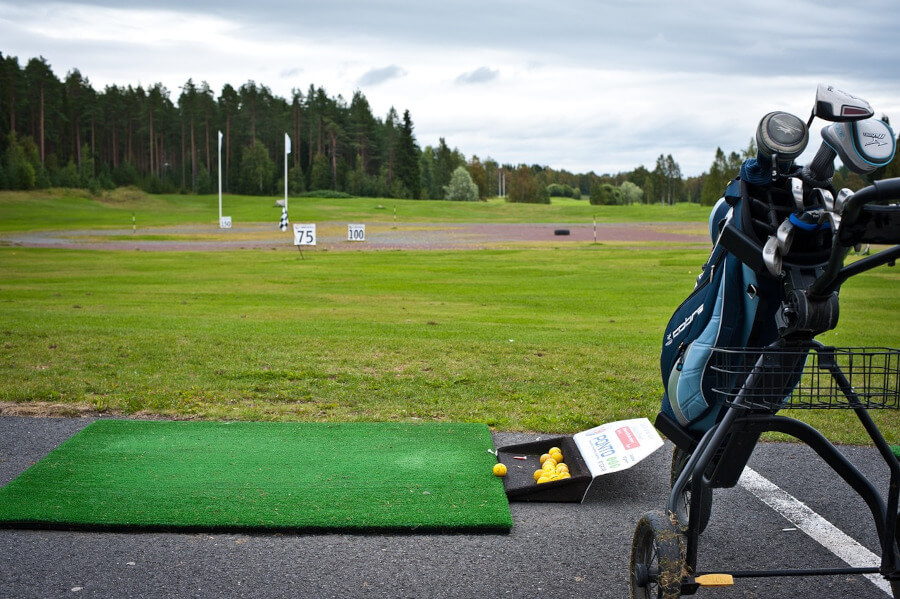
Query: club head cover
783	134
862	146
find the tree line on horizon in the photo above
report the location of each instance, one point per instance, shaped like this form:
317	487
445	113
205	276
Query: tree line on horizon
64	133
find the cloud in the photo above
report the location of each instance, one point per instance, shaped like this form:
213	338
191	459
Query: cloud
479	75
379	76
646	77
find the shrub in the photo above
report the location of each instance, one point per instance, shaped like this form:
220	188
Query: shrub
606	194
461	187
325	193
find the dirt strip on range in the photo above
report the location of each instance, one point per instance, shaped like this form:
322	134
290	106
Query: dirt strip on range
378	236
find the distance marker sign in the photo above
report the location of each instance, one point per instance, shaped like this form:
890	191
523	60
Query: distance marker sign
304	234
356	232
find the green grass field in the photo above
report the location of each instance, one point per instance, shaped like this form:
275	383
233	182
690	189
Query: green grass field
60	209
521	339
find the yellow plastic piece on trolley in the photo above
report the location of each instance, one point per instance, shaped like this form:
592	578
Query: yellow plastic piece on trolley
715	580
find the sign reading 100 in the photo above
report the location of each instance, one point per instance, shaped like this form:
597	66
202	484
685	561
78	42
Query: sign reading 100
356	232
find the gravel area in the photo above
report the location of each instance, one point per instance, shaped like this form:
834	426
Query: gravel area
379	236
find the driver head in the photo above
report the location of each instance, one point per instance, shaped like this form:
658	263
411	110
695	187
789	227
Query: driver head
836	105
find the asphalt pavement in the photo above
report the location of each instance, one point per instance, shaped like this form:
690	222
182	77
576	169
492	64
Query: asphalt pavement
553	550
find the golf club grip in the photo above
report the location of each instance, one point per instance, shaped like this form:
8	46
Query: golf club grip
821	168
741	245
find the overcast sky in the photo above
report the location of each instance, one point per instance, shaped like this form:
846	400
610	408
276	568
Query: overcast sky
578	85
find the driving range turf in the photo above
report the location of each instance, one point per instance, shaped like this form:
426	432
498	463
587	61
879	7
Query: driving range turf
555	339
246	476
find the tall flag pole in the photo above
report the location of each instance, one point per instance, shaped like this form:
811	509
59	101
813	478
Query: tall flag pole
283	225
220	178
287	150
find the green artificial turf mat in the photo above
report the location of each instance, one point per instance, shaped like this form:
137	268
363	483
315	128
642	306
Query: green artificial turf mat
121	474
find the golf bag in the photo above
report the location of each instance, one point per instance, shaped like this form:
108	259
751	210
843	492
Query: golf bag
733	305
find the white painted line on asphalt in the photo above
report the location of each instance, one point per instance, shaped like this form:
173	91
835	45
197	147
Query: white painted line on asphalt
821	530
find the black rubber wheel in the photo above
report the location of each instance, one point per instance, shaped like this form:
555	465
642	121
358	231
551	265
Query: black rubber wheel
683	502
657	558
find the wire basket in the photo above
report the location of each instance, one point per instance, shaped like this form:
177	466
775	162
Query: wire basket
815	378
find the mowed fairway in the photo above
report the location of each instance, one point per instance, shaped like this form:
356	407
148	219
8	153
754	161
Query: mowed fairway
554	340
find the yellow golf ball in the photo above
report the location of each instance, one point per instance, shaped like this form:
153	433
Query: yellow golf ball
499	469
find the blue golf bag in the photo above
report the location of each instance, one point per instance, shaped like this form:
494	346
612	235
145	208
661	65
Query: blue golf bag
733	305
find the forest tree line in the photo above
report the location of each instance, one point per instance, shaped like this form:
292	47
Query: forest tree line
64	133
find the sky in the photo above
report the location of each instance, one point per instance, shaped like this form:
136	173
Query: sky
603	86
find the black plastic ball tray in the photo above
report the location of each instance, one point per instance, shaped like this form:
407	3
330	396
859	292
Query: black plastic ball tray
519	480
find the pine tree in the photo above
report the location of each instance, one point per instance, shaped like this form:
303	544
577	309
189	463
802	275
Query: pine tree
320	173
715	181
408	157
479	177
444	164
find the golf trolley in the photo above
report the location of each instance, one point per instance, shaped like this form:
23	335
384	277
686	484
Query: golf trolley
742	346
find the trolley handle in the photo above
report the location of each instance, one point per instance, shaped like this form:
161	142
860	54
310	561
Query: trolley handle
885	191
861	222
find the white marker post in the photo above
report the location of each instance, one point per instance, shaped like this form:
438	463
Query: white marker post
287	150
224	221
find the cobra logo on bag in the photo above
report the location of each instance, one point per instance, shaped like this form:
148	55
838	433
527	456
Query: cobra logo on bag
680	328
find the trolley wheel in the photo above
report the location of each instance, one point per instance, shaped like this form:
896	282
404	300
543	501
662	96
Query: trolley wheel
895	584
683	502
657	558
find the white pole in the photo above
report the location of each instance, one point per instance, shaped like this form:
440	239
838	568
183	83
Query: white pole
220	178
287	150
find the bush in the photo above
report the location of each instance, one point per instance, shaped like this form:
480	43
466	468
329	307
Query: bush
631	193
67	176
204	183
461	187
606	194
125	174
325	193
556	190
